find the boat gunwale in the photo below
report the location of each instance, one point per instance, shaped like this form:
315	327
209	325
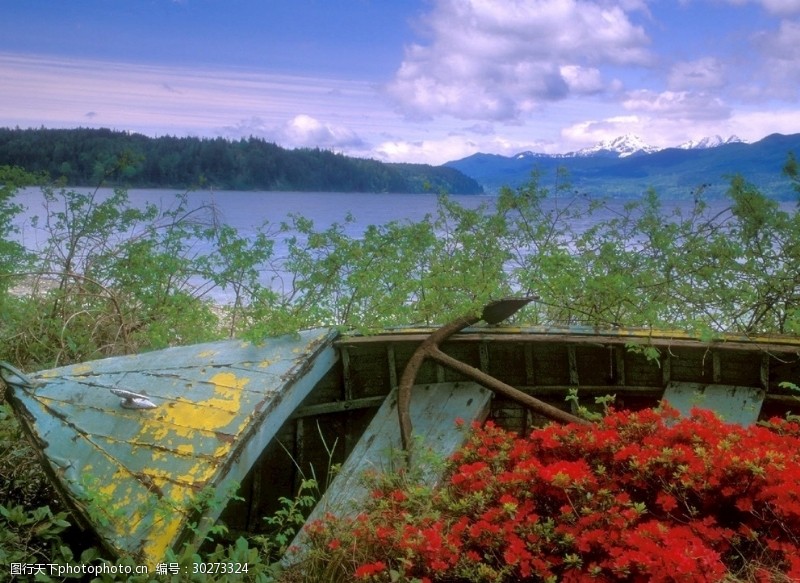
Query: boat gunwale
582	335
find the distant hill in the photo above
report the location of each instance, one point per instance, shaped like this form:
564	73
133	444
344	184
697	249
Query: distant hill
88	156
626	167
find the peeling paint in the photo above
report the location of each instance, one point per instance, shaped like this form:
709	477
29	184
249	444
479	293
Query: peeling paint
135	475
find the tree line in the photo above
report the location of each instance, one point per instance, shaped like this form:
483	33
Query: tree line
87	157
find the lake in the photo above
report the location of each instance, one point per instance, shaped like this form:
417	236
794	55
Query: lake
247	211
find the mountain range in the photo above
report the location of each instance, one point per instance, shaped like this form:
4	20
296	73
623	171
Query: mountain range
626	167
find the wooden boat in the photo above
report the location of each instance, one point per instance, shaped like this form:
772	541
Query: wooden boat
257	419
146	449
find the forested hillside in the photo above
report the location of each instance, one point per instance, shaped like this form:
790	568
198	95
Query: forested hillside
90	156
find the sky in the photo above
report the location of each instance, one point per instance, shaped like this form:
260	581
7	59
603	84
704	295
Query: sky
406	80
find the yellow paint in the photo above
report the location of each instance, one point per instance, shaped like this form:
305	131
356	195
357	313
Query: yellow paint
74	370
207	354
180	425
163	532
227	397
185	448
80	369
109	489
166	521
184	419
199	473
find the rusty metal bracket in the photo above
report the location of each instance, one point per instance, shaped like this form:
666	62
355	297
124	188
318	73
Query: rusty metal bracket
493	313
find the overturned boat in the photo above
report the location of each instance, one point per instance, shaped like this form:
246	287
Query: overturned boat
148	450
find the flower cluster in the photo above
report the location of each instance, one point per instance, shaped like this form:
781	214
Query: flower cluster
640	496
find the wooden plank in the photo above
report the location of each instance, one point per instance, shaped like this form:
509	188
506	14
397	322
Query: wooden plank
338	406
716	367
530	369
434	411
586	335
763	373
135	474
391	362
573	366
483	351
734	404
346	376
619	363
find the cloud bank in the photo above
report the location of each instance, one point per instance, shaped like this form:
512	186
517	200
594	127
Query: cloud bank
500	60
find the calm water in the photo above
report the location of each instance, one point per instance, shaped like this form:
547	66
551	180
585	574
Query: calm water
247	211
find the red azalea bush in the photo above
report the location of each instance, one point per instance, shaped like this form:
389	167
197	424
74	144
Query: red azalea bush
640	496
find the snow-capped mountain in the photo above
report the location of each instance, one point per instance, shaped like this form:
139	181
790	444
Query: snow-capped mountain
710	142
630	144
627	166
619	147
623	146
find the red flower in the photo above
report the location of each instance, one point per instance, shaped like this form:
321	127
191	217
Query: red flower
368	570
632	497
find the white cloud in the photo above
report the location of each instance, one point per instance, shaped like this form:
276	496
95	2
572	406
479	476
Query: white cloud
435	151
170	100
454	147
782	6
677	105
779	75
306	131
587	133
666	132
754	125
705	73
774	6
497	60
582	80
481	129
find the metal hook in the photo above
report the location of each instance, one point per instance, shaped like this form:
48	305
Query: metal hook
493	313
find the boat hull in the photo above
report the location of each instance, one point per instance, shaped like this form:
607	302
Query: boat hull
259	419
148	479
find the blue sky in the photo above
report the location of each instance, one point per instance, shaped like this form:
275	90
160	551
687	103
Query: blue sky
406	80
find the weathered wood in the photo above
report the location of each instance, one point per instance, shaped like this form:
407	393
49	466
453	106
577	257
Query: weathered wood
733	404
219	403
587	335
347	380
435	409
619	363
574	379
391	362
338	406
483	350
530	369
763	373
137	474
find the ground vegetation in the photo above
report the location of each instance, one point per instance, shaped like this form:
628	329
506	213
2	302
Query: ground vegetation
114	278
